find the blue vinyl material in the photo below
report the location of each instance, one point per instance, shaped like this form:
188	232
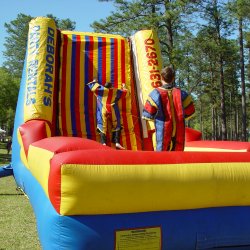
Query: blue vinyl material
19	119
186	229
6	171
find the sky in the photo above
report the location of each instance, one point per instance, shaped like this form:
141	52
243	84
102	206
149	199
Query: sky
83	12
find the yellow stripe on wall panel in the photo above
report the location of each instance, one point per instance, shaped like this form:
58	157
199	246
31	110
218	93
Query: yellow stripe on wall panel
108	62
81	91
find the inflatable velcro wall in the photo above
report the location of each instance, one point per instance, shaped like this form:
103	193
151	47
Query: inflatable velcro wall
107	58
59	66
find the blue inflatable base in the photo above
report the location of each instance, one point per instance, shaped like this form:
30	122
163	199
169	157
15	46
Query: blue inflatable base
6	171
209	228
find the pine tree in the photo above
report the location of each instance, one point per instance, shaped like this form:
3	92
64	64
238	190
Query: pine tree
15	45
240	10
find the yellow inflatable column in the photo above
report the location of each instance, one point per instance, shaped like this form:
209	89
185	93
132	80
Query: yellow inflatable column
147	64
40	70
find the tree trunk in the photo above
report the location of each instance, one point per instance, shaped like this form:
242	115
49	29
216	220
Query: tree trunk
222	90
237	123
219	128
243	91
216	124
169	34
201	119
230	134
213	124
223	109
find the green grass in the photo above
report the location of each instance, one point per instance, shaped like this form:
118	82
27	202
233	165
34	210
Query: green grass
17	221
4	157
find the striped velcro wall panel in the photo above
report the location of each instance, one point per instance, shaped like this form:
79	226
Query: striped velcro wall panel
83	57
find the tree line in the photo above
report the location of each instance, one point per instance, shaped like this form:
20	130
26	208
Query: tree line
207	42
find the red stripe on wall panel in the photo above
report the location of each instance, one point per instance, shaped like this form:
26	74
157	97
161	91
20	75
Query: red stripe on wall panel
63	86
78	86
91	96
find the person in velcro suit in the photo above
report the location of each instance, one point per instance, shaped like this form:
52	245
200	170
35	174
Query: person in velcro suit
169	107
107	98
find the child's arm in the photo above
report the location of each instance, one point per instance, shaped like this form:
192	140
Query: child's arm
94	85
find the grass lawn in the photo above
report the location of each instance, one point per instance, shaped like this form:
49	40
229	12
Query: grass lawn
17	221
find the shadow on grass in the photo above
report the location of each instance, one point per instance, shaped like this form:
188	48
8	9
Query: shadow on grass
5	158
10	195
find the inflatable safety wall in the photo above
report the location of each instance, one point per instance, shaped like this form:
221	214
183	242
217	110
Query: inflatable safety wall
147	67
38	89
41	78
87	196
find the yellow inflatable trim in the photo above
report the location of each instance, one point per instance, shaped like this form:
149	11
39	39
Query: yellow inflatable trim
40	166
194	149
66	32
113	189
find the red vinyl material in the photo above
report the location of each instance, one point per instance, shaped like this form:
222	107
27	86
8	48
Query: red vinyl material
32	131
192	134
